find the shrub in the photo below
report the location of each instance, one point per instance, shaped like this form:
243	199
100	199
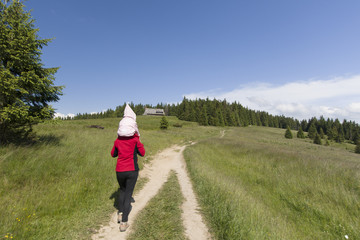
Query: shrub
164	124
288	133
177	125
317	139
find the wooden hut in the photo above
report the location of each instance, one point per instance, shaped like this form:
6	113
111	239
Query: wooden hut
154	112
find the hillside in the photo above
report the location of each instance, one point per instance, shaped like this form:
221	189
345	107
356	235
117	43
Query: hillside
251	183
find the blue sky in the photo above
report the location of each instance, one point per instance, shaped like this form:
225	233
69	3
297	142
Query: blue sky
297	58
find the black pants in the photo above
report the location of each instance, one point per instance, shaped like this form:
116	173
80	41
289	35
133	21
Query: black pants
127	181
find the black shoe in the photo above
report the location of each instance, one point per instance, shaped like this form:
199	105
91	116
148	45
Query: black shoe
132	200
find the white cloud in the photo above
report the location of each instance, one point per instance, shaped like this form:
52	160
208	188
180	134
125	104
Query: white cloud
333	98
354	107
56	115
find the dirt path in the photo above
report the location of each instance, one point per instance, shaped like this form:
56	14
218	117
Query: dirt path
158	172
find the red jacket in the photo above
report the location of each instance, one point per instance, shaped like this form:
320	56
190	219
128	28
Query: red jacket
127	149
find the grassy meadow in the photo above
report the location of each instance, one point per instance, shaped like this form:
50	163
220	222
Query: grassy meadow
63	185
256	184
251	184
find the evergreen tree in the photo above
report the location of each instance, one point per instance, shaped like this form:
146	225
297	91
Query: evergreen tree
203	118
340	137
300	133
334	134
220	117
26	87
317	139
288	133
322	125
164	124
312	131
357	149
356	137
303	125
322	134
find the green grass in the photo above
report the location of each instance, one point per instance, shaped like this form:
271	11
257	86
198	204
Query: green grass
61	186
252	184
161	218
255	184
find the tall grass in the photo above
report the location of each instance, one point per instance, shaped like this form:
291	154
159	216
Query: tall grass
161	219
255	184
62	186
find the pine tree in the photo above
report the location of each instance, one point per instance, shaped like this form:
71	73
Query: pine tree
164	124
203	118
356	137
300	133
26	87
334	133
288	133
317	139
322	134
357	148
312	131
340	137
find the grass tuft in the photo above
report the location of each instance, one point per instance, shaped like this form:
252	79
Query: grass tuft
161	218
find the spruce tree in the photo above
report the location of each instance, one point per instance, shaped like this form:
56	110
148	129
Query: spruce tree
288	133
312	131
357	148
317	139
334	133
340	137
356	137
300	133
26	87
164	124
203	118
322	134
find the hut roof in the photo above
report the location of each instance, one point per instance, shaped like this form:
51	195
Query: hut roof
153	111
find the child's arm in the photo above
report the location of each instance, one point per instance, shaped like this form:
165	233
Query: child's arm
114	151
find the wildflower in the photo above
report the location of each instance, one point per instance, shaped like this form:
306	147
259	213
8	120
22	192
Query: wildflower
6	236
346	236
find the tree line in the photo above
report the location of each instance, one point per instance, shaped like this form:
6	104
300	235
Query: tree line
222	113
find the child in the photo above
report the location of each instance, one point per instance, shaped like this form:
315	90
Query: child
126	148
128	126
